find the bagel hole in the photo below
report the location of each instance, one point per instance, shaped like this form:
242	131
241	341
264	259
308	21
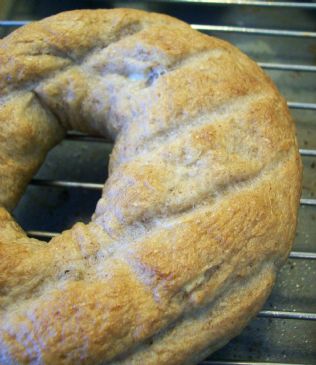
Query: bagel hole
56	208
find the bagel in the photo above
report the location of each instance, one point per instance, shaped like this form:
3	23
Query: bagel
197	215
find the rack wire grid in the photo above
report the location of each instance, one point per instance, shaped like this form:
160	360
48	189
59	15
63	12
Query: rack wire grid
281	37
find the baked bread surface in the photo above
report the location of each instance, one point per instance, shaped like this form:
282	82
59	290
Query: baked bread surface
196	217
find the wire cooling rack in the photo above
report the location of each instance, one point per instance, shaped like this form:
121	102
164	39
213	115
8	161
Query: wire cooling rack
281	37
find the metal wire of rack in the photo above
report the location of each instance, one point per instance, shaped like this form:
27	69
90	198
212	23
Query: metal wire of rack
297	105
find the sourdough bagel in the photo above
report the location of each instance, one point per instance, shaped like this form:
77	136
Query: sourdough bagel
196	217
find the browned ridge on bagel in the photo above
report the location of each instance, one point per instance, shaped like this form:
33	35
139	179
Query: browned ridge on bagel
196	217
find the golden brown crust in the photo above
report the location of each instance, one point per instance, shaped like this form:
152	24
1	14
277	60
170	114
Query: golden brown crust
197	215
